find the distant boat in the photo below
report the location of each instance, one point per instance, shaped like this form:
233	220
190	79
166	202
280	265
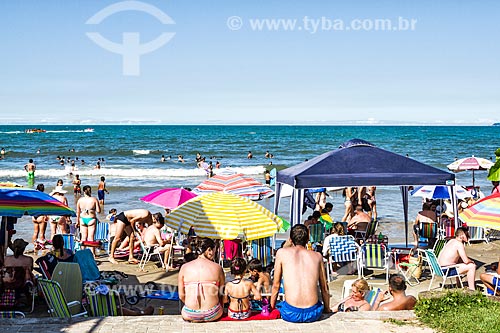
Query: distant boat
34	130
496	124
89	130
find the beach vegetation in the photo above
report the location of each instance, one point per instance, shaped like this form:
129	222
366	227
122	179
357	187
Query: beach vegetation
458	311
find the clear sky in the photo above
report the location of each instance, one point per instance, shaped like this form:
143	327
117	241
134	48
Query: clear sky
220	70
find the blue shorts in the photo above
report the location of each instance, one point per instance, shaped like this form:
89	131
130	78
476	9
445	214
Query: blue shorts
100	194
298	315
494	283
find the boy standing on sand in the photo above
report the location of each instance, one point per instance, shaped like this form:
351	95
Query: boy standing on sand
101	189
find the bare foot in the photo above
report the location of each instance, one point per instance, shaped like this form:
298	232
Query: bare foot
133	261
112	260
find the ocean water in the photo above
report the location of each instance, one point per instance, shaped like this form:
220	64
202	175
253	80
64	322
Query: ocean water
133	168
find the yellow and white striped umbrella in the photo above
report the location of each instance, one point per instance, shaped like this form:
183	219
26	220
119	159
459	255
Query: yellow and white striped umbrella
224	216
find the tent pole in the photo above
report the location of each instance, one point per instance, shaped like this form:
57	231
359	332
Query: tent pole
404	195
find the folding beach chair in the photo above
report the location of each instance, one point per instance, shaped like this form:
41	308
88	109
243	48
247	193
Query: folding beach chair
11	314
69	242
262	250
58	307
374	257
148	252
103	302
370	296
102	235
316	233
445	272
361	231
342	249
477	234
371	230
69	278
427	233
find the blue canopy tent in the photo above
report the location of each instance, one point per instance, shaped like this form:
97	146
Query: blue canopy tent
352	164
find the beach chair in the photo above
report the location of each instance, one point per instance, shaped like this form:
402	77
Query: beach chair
102	234
46	265
262	250
103	302
316	233
58	306
370	296
477	234
342	249
11	314
148	252
69	278
361	231
69	242
437	248
374	257
445	272
427	233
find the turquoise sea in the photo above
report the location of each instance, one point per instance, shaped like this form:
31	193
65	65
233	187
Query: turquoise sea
133	168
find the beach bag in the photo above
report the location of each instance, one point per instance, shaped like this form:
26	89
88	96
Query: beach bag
417	271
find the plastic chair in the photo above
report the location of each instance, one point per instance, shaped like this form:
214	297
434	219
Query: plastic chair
58	307
342	249
445	272
374	257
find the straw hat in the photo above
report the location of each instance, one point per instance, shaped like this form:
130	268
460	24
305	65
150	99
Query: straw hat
58	189
20	244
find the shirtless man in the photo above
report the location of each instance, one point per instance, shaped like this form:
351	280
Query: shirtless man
400	301
359	216
425	215
124	223
301	271
453	253
152	237
30	168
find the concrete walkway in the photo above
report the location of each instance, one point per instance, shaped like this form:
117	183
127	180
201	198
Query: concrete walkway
342	322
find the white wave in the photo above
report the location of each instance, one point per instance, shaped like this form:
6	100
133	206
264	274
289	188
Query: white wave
12	132
131	173
141	151
65	131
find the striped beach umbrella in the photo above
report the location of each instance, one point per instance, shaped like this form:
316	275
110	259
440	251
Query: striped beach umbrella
19	201
224	216
235	183
484	213
470	163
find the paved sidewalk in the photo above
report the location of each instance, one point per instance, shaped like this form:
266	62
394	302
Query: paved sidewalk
365	322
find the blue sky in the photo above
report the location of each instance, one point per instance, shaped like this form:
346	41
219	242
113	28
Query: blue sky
445	71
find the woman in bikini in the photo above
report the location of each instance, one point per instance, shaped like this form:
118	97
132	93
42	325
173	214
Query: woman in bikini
199	284
59	224
238	292
87	208
350	197
356	300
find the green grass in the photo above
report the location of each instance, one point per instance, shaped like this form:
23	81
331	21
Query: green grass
397	322
458	312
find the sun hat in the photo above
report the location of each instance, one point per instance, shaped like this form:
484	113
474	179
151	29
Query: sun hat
58	189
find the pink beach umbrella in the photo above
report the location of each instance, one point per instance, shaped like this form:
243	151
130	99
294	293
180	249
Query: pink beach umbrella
470	163
168	197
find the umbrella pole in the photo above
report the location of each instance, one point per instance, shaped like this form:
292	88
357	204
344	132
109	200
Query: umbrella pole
473	180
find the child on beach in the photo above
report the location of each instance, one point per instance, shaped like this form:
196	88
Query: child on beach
101	189
238	292
261	279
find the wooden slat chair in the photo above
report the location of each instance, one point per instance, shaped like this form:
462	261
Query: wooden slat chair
445	272
374	257
58	307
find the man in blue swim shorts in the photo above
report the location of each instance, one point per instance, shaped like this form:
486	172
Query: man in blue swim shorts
301	271
491	280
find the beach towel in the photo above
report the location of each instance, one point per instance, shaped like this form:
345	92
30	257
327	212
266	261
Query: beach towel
275	314
88	267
